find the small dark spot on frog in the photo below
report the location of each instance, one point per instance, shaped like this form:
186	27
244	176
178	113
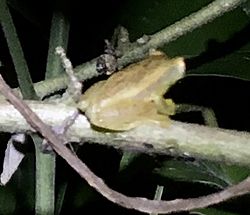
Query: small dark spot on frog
146	65
151	101
148	146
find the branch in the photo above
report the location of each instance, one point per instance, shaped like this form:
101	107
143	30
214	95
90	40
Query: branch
88	70
208	13
180	138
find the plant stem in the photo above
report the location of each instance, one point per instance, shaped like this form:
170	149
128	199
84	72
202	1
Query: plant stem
45	179
16	52
46	163
59	33
195	20
215	144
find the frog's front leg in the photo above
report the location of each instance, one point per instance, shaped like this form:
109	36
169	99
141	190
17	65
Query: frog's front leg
165	106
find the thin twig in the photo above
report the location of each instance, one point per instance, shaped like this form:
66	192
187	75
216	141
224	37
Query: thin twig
195	20
140	204
74	86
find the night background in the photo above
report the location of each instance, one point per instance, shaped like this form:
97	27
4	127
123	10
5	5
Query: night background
218	61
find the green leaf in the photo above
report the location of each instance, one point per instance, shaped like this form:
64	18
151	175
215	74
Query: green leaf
127	159
235	174
211	211
202	172
7	200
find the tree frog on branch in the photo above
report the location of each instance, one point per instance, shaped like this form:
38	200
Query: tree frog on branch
134	95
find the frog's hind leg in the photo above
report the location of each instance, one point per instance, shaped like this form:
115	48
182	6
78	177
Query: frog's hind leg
147	112
156	118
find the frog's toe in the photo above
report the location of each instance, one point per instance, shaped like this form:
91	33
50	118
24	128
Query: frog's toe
170	106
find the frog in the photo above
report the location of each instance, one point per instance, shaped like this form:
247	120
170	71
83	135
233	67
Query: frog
134	95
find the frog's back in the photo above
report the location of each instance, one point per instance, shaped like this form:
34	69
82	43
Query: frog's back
133	77
145	79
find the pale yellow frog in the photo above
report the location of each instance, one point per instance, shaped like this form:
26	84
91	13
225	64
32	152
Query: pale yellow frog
134	95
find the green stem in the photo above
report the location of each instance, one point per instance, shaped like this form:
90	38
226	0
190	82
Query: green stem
46	163
158	195
59	32
45	179
21	67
